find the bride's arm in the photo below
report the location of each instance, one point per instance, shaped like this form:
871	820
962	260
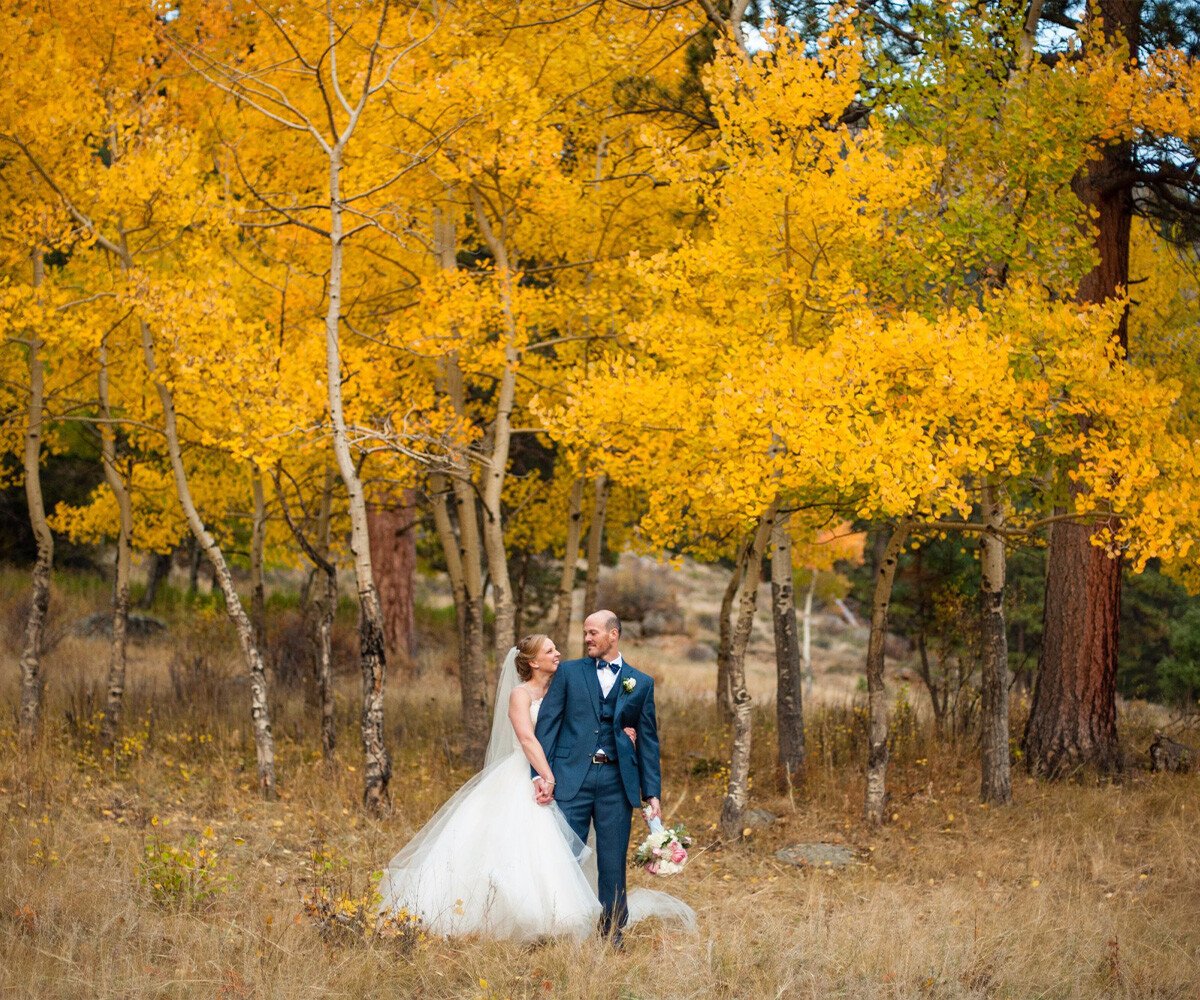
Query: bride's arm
518	714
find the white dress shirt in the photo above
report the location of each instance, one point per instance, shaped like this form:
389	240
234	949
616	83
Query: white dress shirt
608	678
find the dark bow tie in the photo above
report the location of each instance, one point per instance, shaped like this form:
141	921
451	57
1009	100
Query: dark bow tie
602	665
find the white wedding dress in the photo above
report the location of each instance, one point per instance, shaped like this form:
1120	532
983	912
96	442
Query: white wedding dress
493	862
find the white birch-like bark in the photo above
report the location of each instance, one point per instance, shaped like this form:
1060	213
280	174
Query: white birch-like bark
260	712
996	776
377	765
117	661
30	710
737	793
258	535
877	709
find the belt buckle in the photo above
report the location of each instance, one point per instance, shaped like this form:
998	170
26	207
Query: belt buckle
600	758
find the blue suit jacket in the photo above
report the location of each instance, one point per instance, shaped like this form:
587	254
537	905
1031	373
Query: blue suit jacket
568	727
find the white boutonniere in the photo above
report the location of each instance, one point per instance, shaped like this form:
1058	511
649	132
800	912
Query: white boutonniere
628	684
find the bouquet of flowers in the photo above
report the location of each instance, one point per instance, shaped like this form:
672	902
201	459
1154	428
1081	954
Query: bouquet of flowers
664	851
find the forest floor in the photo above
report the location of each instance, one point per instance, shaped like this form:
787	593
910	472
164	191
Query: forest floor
156	871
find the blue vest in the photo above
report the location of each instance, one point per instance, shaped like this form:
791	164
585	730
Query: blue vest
608	708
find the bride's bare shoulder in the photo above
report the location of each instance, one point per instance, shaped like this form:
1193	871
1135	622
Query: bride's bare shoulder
520	696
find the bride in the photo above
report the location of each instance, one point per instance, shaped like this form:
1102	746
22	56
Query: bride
492	861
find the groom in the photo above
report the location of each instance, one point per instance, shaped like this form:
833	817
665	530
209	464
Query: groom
600	777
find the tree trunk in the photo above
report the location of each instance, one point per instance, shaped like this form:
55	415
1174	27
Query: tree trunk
393	531
789	704
258	535
738	791
377	765
1073	718
877	709
463	549
120	608
1072	721
806	663
260	713
439	501
473	671
160	569
996	781
496	469
566	586
591	585
725	633
39	603
194	559
320	608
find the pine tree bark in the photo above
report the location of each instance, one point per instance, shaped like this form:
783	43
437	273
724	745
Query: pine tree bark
393	530
30	711
591	584
1072	720
566	586
117	659
996	775
789	696
877	708
737	793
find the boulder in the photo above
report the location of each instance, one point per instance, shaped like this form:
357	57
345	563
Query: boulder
818	855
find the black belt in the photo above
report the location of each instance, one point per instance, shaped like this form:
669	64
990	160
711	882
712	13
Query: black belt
602	758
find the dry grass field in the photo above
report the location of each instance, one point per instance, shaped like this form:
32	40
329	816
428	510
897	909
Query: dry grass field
155	871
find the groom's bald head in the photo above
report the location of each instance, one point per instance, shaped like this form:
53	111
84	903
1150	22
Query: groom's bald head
601	634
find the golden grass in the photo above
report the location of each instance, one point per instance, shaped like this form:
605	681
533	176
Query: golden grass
1078	890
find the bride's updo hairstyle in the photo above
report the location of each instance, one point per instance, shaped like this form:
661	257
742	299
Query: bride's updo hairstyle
527	649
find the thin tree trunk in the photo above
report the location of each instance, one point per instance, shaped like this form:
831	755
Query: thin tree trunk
194	558
1073	720
39	603
806	663
591	585
120	610
738	791
496	469
725	633
322	607
439	501
392	527
464	549
160	569
996	781
258	534
566	586
877	709
260	713
789	703
377	765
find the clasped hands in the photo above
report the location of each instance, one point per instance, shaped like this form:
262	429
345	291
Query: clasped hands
543	788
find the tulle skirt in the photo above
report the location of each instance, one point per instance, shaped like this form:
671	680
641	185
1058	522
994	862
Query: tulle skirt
495	863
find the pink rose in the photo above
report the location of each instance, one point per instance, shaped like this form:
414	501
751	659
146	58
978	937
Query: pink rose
657	852
652	868
679	857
